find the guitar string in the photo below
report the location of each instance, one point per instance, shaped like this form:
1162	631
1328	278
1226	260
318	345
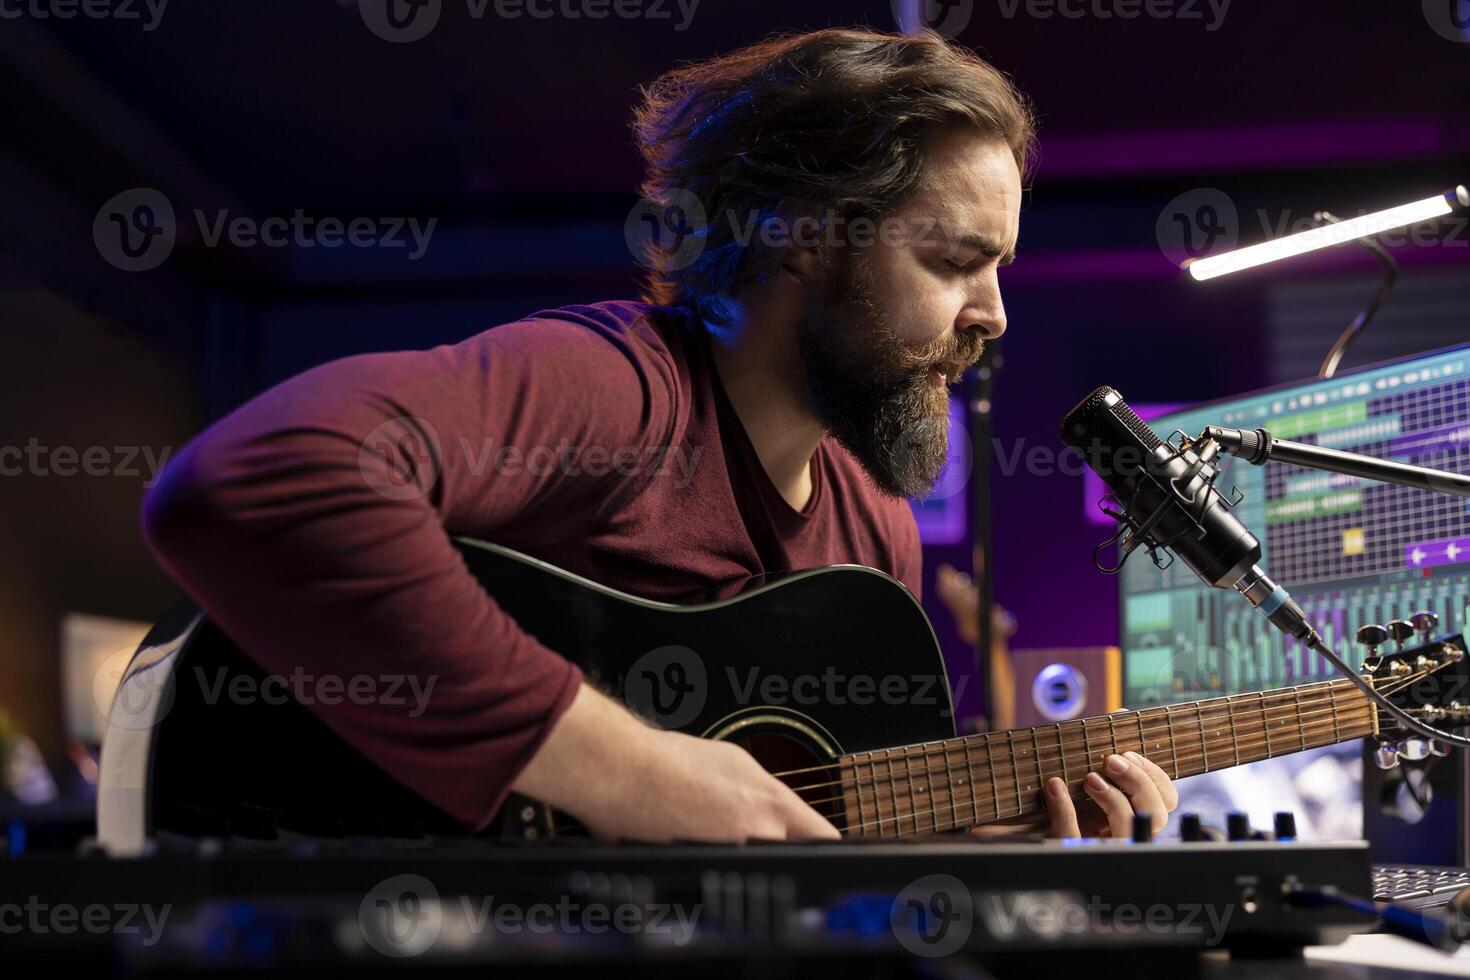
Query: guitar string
1250	741
1073	749
1247	710
1168	712
936	811
1147	731
994	773
1180	763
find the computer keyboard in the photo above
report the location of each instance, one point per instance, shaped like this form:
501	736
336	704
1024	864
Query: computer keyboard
1418	884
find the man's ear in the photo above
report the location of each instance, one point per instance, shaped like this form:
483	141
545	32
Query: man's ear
801	263
806	257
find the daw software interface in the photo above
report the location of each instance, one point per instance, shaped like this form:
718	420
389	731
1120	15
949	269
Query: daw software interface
1351	551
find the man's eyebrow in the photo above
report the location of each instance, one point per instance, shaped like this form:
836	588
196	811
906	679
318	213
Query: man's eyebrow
987	246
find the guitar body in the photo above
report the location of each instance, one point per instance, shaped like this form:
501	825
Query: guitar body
800	671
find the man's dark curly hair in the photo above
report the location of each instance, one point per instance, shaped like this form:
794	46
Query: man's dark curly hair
828	123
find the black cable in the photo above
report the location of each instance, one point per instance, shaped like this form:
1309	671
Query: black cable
1390	279
1404	718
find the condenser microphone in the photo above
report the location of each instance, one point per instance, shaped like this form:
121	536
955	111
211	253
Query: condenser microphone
1167	501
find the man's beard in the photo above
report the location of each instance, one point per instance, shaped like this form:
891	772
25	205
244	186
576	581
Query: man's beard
871	390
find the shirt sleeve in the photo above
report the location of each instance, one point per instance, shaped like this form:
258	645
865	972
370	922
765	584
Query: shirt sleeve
313	525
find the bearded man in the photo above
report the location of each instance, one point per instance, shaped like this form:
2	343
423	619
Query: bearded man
843	202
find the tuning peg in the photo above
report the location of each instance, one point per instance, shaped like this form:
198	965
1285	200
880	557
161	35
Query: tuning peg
1400	630
1414	749
1371	636
1386	756
1425	622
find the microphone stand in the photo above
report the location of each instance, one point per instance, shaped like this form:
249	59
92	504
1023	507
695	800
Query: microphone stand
1258	446
979	406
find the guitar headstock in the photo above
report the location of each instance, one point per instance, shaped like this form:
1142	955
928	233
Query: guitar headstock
1426	676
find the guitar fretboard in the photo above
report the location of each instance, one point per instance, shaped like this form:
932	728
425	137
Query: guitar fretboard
962	782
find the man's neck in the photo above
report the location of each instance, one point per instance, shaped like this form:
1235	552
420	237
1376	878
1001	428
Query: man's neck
757	369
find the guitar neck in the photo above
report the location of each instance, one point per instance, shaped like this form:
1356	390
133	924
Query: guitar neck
962	782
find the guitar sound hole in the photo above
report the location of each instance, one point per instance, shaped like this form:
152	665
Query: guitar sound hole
806	772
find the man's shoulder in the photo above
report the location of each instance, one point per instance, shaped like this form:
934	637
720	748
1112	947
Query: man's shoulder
624	323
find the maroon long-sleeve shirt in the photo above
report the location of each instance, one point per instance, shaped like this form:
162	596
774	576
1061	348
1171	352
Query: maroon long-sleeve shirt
313	524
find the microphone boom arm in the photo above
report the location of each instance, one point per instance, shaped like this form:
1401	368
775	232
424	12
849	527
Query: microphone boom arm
1258	446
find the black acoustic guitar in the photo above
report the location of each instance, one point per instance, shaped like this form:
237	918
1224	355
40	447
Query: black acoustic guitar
832	678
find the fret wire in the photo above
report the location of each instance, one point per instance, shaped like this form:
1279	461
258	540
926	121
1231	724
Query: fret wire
913	796
970	771
1234	734
1173	742
894	793
954	798
1062	754
858	792
1113	733
1015	766
1265	724
1302	732
929	779
994	775
933	793
1035	747
877	796
1203	751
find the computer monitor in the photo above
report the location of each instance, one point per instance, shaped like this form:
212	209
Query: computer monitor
1351	551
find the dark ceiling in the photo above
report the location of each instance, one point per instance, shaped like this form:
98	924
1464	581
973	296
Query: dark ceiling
295	103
